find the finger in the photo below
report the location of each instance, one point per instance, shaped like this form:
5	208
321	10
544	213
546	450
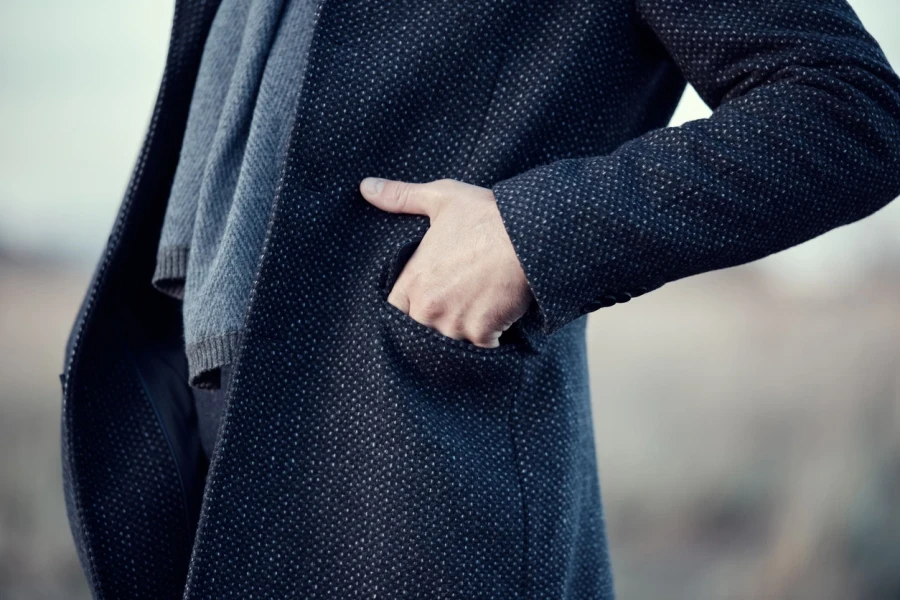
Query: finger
398	298
404	283
401	196
427	307
485	339
485	326
452	326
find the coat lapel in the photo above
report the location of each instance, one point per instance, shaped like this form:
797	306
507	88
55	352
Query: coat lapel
126	484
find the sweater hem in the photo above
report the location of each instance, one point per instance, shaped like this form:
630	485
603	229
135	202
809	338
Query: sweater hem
170	271
206	357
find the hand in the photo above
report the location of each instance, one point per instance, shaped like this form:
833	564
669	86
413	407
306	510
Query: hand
464	278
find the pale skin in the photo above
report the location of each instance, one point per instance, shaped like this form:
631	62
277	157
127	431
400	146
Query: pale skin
464	279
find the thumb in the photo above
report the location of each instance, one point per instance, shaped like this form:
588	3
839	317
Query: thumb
399	196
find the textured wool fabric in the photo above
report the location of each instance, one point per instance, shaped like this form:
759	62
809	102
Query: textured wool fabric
215	222
364	455
796	146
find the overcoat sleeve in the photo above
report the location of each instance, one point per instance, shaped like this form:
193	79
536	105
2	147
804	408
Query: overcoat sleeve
804	136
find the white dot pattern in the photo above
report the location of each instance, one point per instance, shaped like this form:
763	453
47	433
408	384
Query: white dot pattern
802	139
132	503
363	455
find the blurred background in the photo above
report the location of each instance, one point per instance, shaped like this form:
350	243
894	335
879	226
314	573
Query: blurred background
747	421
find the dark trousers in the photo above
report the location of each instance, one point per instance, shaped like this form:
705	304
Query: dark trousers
210	405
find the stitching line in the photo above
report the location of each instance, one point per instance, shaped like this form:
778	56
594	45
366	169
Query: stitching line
487	110
523	577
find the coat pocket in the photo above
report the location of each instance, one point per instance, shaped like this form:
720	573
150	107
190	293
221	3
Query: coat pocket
452	469
512	340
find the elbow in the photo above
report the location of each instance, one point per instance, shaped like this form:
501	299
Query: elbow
875	129
884	144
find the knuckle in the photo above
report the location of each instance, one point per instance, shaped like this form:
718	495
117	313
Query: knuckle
450	331
404	195
431	305
456	333
490	319
484	338
458	323
455	327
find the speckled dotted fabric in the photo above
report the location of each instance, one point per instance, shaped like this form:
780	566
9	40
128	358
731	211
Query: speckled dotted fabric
363	455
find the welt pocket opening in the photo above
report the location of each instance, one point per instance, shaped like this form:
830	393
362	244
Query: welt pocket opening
512	339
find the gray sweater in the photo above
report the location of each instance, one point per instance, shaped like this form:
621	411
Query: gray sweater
224	184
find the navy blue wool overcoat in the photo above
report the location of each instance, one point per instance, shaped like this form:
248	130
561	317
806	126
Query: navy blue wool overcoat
364	455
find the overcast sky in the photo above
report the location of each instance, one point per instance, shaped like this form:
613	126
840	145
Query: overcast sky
77	84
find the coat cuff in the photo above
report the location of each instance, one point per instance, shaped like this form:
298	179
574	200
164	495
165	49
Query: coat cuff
572	243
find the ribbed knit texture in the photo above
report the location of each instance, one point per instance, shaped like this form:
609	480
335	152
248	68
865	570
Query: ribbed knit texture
171	265
215	221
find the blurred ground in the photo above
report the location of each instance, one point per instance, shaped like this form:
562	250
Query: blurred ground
748	437
38	302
